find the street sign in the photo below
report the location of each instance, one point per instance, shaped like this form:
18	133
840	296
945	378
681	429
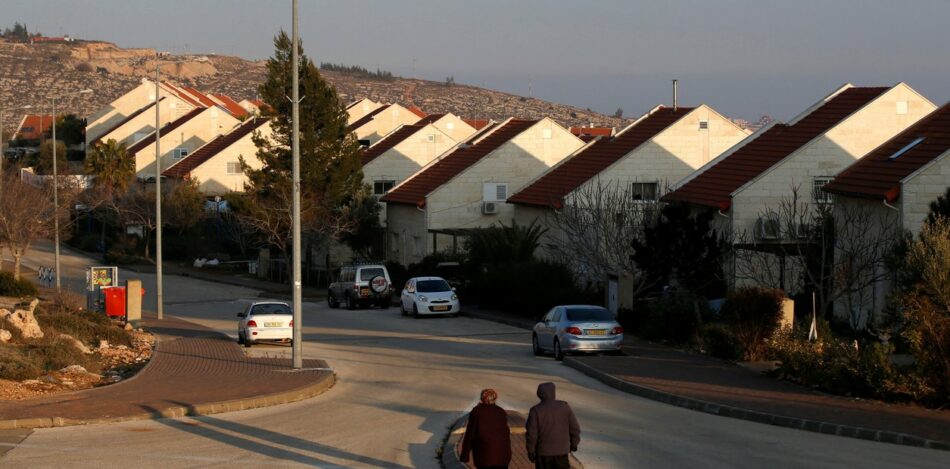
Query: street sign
102	277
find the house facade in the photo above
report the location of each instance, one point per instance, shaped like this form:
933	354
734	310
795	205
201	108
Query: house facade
786	165
181	137
360	108
467	187
216	165
376	124
882	195
125	118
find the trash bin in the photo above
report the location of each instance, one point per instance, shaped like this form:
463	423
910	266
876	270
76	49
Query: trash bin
115	301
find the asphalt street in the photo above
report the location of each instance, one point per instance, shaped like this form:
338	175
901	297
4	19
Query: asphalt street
401	383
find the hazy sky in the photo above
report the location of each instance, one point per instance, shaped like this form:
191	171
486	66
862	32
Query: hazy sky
745	58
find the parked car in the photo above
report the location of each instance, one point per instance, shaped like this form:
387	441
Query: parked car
429	295
266	321
577	328
361	285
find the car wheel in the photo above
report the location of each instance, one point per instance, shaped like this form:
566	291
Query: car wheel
350	304
535	346
402	308
240	338
248	343
331	301
415	311
558	353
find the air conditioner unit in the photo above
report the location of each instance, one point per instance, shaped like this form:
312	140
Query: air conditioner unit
767	228
489	208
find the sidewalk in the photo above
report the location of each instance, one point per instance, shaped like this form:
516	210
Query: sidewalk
519	455
193	371
722	388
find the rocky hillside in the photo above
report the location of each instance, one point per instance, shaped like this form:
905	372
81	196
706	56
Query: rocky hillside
31	74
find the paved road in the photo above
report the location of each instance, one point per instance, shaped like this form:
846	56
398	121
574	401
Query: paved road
403	381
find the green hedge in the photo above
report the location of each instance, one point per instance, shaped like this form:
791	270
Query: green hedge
13	287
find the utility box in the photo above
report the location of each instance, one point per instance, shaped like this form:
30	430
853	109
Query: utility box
133	302
115	301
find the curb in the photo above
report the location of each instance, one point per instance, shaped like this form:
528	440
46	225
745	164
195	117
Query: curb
449	460
285	397
268	290
522	324
721	410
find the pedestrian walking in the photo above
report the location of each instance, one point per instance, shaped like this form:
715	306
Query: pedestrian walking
487	436
551	432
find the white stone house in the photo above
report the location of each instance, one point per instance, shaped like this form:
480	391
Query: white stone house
377	123
132	115
360	108
467	187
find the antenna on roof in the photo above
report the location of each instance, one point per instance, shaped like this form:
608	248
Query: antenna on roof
676	87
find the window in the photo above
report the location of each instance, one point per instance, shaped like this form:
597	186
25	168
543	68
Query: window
818	193
644	191
589	314
271	308
234	167
370	273
703	125
430	138
382	187
180	153
901	107
906	148
433	286
494	192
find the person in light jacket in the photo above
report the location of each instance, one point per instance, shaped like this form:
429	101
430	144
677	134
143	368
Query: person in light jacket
487	436
551	432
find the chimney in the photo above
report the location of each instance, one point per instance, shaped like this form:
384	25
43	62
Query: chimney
675	94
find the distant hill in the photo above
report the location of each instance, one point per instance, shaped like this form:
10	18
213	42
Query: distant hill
30	74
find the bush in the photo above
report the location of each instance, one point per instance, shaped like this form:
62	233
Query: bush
673	318
17	288
845	367
15	366
527	288
86	326
719	342
753	315
55	353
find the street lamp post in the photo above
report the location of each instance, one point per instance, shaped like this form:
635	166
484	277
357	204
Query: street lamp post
56	187
3	141
295	233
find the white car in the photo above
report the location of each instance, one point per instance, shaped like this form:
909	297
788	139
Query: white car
429	295
266	321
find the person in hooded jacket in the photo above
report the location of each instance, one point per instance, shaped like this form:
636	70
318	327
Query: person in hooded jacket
551	432
487	435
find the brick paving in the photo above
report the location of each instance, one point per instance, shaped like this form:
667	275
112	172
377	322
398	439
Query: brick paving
192	366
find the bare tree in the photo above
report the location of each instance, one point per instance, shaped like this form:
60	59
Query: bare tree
26	213
594	230
837	250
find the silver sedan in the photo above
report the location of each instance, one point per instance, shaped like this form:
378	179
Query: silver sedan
577	328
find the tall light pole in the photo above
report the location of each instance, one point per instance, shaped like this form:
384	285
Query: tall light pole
56	187
295	233
159	294
3	141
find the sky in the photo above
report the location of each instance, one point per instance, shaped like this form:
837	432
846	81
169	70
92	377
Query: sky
745	58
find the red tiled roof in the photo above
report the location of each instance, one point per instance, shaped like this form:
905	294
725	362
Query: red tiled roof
714	186
593	131
150	138
182	94
550	189
878	176
33	126
205	101
477	124
125	120
365	119
231	105
183	168
415	110
389	141
415	189
430	119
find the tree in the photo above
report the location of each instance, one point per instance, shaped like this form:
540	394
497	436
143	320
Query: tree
184	206
43	161
594	231
619	113
367	238
939	207
26	213
110	163
502	244
329	157
70	128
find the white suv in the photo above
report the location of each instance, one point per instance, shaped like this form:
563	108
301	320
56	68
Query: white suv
361	285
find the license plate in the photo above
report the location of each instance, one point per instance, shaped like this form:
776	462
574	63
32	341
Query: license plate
272	324
441	308
364	291
596	331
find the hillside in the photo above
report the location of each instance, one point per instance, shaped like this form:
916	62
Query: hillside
31	74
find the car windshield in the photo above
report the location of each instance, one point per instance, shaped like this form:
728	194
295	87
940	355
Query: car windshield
430	286
274	308
589	314
368	274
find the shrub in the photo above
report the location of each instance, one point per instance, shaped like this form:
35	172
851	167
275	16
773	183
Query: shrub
86	326
673	318
15	366
718	341
10	286
753	315
528	288
54	353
